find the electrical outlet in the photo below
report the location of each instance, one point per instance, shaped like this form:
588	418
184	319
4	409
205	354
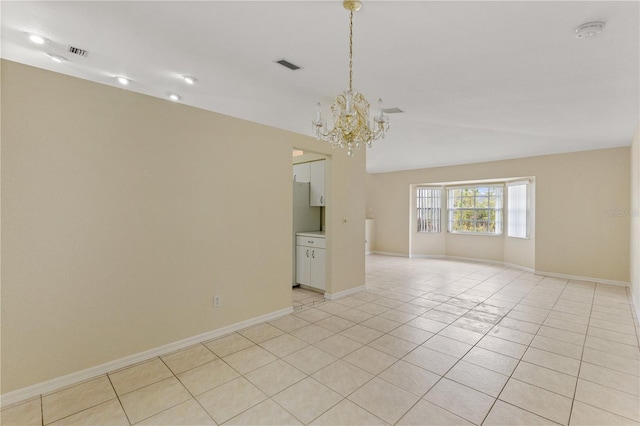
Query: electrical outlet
216	301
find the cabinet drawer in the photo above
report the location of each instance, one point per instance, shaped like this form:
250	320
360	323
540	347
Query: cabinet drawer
310	241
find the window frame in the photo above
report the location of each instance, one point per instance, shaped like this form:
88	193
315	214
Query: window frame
498	209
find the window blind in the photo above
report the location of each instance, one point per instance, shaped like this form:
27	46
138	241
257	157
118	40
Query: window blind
517	208
428	209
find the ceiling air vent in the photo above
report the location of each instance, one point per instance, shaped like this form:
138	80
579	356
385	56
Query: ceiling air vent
77	51
288	64
394	110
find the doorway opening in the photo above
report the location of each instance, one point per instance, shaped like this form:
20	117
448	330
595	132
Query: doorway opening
308	275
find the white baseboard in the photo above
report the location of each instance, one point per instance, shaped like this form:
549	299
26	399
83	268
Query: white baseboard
466	259
475	259
89	373
388	253
579	278
522	268
427	256
344	293
492	262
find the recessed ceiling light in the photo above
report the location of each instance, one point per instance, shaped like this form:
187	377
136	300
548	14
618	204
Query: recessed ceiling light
56	58
174	97
123	80
188	79
37	39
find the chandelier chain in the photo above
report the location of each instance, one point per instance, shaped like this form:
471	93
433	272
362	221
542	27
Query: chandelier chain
351	51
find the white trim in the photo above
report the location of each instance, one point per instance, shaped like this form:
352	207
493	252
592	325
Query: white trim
473	259
466	259
518	182
522	268
89	373
579	278
344	293
388	253
497	184
427	256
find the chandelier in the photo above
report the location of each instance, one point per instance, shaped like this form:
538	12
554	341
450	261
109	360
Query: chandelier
350	110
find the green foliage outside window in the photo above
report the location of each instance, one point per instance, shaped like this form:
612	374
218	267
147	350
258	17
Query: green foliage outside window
475	209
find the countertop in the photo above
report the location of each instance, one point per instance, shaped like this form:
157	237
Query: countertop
317	234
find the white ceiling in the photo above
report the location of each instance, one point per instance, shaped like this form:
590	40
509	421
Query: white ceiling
479	80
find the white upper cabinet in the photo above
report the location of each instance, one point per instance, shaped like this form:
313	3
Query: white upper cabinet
302	172
316	172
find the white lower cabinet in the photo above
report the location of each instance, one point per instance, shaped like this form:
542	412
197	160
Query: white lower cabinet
310	262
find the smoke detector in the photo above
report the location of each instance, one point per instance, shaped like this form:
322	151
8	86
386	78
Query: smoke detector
590	29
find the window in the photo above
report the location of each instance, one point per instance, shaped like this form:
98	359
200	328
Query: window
428	204
517	210
475	209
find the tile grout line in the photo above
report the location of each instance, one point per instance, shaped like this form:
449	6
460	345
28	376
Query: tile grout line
185	387
84	409
485	335
575	390
579	369
388	333
460	358
118	398
343	397
367	345
519	360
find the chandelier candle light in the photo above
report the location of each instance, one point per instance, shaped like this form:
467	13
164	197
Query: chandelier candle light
350	110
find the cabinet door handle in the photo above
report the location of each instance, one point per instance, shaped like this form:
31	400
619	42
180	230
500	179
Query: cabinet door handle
307	252
321	199
310	242
313	254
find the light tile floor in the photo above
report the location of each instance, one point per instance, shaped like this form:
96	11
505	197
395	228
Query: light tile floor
304	298
429	342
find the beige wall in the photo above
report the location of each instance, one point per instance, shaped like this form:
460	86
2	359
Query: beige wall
635	220
123	214
574	232
475	246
